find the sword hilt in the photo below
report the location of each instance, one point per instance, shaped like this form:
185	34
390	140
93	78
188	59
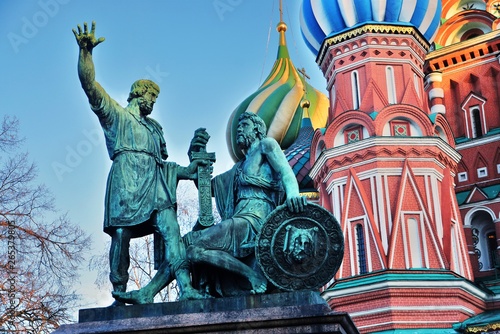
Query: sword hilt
206	217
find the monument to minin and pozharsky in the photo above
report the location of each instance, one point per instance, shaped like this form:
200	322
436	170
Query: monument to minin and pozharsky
258	269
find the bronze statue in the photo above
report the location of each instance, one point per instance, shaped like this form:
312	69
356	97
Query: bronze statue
245	196
140	191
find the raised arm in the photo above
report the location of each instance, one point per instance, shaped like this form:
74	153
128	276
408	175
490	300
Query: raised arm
277	160
86	72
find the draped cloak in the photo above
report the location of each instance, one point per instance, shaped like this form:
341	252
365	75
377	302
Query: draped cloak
238	197
140	182
235	194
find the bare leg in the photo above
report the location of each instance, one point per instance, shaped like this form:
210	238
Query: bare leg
164	275
226	261
147	293
167	226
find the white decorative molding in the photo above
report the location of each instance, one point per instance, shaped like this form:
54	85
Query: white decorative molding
436	92
387	142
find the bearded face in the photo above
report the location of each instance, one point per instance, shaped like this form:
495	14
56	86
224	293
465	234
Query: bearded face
300	244
145	107
245	135
146	102
244	141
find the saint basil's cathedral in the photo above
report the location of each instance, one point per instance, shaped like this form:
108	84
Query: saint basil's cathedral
404	151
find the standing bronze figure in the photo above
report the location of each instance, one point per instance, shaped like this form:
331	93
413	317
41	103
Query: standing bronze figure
140	191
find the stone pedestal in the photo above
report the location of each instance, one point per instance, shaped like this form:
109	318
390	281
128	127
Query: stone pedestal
293	312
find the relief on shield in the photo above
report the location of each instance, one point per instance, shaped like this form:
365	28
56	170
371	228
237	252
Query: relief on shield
300	251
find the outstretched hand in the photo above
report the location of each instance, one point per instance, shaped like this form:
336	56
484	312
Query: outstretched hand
296	204
86	40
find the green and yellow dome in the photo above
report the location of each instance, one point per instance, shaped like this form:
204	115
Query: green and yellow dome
278	102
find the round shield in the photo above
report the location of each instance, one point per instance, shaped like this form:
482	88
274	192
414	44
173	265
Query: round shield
300	251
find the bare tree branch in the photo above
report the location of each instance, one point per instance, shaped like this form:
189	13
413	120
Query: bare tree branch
40	255
9	138
141	250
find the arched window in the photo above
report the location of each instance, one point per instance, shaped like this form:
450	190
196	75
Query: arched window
455	263
471	34
333	95
484	239
416	82
360	245
475	116
391	84
356	95
491	238
320	148
475	123
414	243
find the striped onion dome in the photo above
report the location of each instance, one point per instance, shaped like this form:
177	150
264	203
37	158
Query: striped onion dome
277	102
320	19
299	152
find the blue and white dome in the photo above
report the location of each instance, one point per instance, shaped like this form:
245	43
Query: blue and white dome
325	18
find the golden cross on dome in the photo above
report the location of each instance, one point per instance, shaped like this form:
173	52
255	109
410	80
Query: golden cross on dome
305	77
303	72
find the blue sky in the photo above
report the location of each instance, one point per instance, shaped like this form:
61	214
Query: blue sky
206	55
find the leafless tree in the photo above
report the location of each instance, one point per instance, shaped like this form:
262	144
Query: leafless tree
141	269
142	251
39	254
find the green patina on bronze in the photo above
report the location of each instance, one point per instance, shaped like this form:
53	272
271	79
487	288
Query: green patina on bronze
245	196
206	217
140	192
140	199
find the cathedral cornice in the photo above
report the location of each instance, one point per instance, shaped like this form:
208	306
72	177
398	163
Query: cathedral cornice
370	28
457	47
390	147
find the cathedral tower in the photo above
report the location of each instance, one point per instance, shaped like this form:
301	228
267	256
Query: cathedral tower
385	166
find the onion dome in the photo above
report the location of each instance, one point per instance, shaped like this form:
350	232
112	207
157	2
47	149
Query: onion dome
320	19
277	102
298	154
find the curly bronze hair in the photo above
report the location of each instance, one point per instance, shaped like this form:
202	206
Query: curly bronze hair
142	86
260	126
